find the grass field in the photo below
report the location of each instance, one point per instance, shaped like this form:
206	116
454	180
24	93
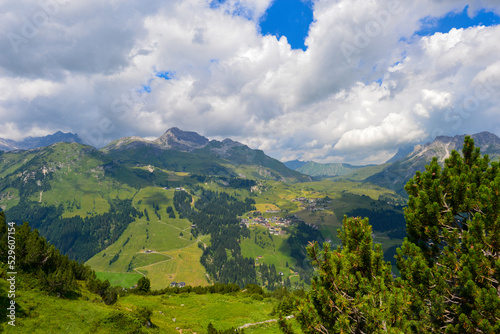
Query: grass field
269	251
9	198
164	250
273	194
125	280
181	265
193	313
40	313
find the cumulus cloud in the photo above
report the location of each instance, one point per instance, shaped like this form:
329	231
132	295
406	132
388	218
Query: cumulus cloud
365	86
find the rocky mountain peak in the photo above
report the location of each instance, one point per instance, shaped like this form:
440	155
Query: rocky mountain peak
398	173
175	138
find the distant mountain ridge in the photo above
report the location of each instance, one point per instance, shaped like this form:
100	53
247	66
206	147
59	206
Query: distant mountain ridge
36	142
322	170
396	175
172	139
188	151
295	164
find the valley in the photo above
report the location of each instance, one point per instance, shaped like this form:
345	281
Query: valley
194	214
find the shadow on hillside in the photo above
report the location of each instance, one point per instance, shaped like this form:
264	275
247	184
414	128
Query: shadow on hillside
5	302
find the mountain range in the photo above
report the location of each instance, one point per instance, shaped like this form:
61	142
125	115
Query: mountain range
396	175
188	151
400	168
36	142
99	205
183	208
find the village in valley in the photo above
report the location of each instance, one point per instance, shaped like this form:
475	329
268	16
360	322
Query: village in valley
276	221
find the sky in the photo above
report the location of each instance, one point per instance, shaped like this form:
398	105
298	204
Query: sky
325	80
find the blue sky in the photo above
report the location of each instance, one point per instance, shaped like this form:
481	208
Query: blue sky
374	76
432	25
290	18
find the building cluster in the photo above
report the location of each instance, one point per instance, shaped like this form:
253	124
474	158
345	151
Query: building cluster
179	285
176	188
275	225
313	204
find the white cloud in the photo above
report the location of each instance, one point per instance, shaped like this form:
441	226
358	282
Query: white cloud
437	99
394	129
365	85
25	89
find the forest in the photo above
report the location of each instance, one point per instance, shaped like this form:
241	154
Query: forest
216	214
79	238
41	265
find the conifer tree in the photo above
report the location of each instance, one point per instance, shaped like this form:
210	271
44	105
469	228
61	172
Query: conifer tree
450	261
353	291
144	284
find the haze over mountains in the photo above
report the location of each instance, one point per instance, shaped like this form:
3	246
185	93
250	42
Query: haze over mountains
321	170
406	162
35	142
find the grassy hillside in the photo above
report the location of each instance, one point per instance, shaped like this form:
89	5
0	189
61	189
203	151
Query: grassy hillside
38	312
163	249
62	296
83	182
281	194
270	250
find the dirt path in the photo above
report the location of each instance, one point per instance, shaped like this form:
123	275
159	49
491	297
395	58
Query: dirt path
163	253
263	322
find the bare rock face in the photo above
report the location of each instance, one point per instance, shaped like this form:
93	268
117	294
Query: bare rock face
180	140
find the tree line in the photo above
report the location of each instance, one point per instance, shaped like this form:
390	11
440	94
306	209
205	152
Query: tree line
79	238
216	213
300	236
44	267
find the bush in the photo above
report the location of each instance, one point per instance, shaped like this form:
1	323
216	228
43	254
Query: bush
144	316
253	288
256	296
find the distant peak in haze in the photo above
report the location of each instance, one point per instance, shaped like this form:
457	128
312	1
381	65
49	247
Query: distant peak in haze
29	143
402	153
295	164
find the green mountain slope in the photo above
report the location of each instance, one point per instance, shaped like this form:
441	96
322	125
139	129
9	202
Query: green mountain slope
109	207
48	293
363	173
